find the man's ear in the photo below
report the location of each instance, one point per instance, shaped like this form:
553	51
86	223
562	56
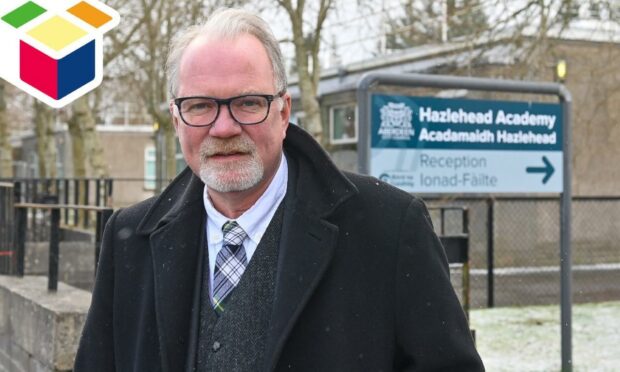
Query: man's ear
285	112
174	115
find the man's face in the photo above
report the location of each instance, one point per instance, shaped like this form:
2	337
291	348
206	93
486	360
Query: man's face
227	156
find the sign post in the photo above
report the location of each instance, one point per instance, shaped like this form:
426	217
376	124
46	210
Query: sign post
440	145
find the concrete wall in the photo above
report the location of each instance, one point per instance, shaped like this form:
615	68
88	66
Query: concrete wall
39	331
76	262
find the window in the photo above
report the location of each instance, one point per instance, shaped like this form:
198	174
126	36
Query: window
149	168
595	10
343	124
570	11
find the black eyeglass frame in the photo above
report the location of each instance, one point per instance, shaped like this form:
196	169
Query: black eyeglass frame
226	101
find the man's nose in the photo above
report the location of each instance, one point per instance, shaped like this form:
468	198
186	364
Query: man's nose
225	125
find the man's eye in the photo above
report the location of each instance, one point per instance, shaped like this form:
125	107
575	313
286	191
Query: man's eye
250	102
198	106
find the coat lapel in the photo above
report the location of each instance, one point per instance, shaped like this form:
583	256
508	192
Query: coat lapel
315	190
175	249
306	248
175	224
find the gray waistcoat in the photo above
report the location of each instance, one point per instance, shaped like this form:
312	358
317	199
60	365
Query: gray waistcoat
235	340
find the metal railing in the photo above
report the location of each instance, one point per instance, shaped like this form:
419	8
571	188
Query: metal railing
54	212
67	191
514	248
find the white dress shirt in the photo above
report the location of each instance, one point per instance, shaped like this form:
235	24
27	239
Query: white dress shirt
254	221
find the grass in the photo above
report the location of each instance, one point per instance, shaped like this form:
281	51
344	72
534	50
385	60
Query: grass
528	338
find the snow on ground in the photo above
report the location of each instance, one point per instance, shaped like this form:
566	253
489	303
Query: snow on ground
528	338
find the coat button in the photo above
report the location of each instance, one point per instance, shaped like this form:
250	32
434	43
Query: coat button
216	346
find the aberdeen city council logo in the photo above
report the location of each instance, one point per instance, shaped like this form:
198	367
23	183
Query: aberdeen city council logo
53	49
396	122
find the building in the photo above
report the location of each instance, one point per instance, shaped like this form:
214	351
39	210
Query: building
129	152
593	79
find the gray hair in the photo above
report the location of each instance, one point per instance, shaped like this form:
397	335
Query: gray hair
227	23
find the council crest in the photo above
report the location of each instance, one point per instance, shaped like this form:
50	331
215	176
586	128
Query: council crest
396	122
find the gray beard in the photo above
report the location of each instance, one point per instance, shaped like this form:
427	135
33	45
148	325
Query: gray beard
239	176
226	179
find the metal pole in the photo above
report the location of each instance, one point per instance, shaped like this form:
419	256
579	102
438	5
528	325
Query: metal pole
52	277
108	192
566	279
442	214
98	192
6	207
490	252
86	201
20	237
466	276
17	192
76	201
66	199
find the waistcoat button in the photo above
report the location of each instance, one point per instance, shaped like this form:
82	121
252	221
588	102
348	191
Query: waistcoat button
216	346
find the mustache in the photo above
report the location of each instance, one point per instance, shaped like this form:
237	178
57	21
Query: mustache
214	146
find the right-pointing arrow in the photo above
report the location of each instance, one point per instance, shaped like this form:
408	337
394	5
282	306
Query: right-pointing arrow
547	169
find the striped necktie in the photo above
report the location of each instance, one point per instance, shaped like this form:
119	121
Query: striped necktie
229	264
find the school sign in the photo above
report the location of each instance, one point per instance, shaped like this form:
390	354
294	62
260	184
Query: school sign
439	145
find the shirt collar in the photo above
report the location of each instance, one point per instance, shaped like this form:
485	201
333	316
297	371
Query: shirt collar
254	221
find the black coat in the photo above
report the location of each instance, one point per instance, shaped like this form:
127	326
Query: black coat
362	280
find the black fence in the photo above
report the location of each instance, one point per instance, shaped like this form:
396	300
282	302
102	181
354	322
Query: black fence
46	211
515	248
63	191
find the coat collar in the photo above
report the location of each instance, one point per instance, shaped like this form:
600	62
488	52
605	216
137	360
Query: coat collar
183	192
320	186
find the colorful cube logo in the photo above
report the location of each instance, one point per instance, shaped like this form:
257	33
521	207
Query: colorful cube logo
53	49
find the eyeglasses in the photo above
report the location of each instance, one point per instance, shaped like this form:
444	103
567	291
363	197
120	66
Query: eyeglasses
248	109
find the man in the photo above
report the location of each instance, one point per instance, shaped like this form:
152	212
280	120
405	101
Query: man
262	255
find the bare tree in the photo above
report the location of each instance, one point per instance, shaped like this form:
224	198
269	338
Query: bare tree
46	139
159	21
78	150
426	21
83	130
6	152
307	41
